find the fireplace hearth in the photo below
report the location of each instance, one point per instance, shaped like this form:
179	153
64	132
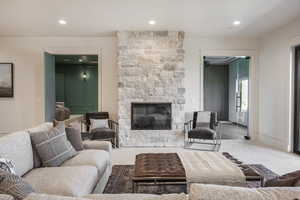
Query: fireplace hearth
151	116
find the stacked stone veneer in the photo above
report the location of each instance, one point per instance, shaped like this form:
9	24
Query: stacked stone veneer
151	70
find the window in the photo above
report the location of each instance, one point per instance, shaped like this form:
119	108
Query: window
244	95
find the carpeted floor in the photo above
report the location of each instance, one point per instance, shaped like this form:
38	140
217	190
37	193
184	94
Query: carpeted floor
120	181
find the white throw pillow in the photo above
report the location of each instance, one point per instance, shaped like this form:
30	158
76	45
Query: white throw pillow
98	123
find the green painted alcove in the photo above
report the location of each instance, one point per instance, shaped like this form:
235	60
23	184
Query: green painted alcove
79	94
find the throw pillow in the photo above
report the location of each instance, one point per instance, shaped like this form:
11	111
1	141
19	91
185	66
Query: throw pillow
277	182
6	197
74	136
288	180
53	146
14	185
98	123
7	165
37	162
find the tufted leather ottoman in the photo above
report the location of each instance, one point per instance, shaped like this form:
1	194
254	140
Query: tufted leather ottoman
158	168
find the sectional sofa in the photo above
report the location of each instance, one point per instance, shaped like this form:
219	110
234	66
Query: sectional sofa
81	175
198	192
84	176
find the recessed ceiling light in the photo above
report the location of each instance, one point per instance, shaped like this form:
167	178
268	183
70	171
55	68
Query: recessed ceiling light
62	22
152	22
236	23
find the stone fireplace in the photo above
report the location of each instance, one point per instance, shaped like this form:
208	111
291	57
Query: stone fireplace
151	88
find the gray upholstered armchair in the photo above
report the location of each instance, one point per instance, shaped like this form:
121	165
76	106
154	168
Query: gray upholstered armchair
111	133
202	129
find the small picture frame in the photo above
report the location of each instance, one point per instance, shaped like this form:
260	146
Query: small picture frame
6	80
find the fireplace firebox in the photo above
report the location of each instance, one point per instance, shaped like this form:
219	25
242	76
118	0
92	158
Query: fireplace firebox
151	116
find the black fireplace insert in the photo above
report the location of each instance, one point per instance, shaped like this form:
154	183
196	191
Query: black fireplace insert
151	116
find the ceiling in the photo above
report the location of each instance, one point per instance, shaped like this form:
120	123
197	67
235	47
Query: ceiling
104	17
77	59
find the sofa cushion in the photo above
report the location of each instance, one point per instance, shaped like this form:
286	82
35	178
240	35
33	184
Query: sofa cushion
17	147
202	133
53	146
110	197
137	197
67	181
98	145
14	185
96	158
42	127
217	192
102	133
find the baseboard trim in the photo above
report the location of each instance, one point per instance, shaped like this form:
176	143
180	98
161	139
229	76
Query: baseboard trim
273	142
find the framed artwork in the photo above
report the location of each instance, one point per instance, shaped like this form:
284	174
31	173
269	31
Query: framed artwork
6	80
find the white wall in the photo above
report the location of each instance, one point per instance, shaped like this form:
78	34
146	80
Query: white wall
275	85
27	107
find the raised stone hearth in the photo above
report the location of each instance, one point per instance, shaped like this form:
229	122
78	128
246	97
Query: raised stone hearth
151	70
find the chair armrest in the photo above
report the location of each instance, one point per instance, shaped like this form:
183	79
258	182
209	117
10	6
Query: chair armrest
188	122
113	124
98	145
188	126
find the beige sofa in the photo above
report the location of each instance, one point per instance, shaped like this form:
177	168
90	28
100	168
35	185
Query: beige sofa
89	171
81	175
198	192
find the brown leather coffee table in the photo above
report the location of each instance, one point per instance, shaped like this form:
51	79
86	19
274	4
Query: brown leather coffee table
158	169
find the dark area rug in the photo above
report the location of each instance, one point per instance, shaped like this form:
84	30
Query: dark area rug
120	181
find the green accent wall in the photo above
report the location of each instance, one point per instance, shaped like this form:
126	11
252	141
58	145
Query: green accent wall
49	87
79	95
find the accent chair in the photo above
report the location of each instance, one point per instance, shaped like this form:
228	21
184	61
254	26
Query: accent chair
202	129
111	133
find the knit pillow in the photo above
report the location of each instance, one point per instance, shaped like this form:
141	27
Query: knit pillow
7	165
14	185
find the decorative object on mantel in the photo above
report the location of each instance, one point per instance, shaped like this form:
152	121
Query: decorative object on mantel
6	80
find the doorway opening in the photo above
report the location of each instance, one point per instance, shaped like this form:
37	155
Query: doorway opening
226	91
71	82
296	146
